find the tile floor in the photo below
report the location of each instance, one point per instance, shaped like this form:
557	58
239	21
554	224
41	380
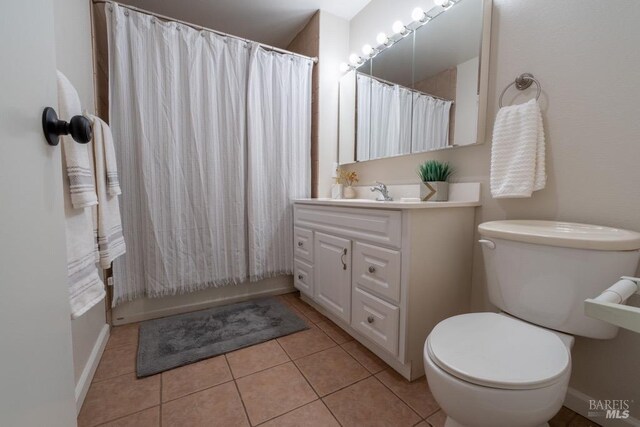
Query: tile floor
317	377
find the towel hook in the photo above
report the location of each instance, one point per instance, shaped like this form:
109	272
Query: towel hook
79	127
522	82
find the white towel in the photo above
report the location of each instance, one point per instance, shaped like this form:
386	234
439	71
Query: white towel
107	214
85	287
78	163
517	151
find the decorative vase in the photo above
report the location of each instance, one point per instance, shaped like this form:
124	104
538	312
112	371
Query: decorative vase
336	191
435	191
348	192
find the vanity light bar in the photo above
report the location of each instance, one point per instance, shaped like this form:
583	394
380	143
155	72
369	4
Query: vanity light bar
420	18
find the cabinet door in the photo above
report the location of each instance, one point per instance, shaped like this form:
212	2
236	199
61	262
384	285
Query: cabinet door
332	270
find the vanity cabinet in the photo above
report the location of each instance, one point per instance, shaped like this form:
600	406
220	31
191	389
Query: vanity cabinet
385	275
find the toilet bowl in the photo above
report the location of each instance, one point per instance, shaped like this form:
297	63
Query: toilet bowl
512	369
490	370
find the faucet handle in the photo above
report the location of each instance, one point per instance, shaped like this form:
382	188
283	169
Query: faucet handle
381	185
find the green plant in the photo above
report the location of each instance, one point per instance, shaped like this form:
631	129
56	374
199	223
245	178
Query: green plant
433	170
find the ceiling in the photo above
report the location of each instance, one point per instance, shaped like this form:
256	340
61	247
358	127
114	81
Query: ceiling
274	22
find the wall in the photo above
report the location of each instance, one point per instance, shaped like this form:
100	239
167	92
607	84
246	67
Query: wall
307	42
466	108
36	373
334	33
584	53
74	58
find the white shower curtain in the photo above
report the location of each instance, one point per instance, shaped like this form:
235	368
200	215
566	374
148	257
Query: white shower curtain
178	112
430	123
279	152
390	120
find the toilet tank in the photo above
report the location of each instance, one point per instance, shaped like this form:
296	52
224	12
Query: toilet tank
542	271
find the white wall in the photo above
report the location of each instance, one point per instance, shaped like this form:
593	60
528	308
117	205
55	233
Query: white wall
74	59
466	121
36	373
334	33
584	52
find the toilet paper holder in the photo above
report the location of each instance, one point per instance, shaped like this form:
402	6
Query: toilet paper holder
610	306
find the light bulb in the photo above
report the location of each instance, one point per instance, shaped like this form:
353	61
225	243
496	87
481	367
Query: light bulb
418	14
344	67
354	58
382	38
367	50
398	27
441	3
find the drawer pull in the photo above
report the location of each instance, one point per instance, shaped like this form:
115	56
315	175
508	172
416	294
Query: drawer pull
372	269
370	319
300	277
300	244
344	264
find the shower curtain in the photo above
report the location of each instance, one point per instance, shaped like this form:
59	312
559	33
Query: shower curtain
279	164
430	123
206	144
386	109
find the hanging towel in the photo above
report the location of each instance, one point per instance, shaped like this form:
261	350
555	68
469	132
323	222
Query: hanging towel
517	152
107	214
85	286
78	163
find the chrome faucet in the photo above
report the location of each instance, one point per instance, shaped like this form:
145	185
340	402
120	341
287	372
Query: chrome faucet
384	192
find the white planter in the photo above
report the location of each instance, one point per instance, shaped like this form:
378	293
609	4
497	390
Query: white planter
348	192
436	191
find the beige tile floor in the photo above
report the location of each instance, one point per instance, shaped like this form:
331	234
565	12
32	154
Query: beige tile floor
317	377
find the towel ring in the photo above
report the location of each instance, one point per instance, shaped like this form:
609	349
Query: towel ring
522	82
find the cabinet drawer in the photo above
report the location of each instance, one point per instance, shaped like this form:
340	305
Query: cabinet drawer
377	270
303	277
373	225
303	244
376	319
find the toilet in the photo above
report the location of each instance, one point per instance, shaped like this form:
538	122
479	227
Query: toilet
512	368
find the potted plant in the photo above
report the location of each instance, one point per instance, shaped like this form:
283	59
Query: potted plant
348	179
434	176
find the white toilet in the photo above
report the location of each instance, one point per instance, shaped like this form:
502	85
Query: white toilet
512	369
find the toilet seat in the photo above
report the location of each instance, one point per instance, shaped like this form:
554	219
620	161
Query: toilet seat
498	351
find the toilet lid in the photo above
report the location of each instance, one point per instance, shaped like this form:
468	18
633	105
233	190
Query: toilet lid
498	351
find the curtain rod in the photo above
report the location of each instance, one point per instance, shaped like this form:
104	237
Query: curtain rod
199	27
389	83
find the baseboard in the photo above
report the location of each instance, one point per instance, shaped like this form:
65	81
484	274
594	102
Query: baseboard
579	402
200	305
82	387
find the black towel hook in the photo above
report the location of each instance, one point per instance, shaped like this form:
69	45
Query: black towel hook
79	127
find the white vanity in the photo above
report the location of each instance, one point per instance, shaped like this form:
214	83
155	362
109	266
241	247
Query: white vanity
386	272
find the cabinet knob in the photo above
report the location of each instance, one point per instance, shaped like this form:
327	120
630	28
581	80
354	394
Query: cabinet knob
300	277
300	243
370	319
372	269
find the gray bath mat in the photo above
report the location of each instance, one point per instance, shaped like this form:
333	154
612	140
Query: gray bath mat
186	338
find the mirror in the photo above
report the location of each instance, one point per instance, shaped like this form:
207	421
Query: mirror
425	92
